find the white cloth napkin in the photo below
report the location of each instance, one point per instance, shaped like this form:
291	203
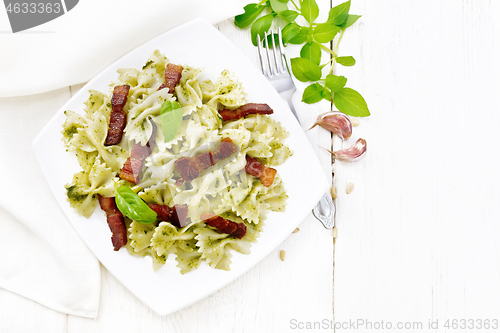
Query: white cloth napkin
73	48
42	257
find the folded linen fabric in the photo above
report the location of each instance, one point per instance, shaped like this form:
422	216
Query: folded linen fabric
42	258
76	46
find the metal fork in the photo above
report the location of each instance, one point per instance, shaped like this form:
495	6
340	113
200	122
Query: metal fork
275	67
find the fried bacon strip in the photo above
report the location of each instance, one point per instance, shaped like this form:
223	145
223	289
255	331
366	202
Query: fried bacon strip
115	221
118	117
132	168
163	212
255	168
245	110
173	75
190	167
235	229
177	215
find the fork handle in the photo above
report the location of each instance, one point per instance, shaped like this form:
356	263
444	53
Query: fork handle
287	96
325	211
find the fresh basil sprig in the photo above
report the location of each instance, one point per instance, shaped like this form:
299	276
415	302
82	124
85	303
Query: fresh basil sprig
133	207
307	67
171	119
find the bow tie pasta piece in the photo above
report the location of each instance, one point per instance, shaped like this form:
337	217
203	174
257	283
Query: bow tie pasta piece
140	235
82	192
188	90
227	91
91	138
71	125
216	247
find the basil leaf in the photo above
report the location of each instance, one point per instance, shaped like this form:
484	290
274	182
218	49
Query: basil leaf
133	207
350	102
301	37
305	70
278	6
260	26
335	83
325	32
288	15
351	19
171	119
289	31
285	1
314	93
252	11
327	94
338	14
310	10
311	51
346	61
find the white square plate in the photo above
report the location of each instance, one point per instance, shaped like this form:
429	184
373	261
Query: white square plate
197	44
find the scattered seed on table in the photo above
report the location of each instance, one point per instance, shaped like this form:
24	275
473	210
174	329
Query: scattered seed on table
295	231
282	255
355	122
349	188
333	192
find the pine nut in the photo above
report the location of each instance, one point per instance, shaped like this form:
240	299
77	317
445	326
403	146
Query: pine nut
335	232
295	231
282	255
349	188
333	192
355	122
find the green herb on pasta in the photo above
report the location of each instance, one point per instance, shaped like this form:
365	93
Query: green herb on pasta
171	119
133	207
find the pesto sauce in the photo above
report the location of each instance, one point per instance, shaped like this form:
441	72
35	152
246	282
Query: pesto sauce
73	194
69	132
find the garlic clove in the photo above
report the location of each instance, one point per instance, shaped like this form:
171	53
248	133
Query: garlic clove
335	122
350	154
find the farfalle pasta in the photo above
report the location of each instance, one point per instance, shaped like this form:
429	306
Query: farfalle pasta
224	189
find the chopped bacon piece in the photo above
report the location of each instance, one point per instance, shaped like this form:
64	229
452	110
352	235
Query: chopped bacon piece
205	160
255	168
245	110
173	75
235	229
190	167
163	212
118	117
132	168
225	149
177	215
240	231
115	221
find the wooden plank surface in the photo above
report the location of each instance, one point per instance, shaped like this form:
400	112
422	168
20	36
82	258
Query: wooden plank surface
418	236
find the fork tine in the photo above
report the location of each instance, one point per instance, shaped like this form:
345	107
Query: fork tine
282	52
261	57
276	55
271	71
